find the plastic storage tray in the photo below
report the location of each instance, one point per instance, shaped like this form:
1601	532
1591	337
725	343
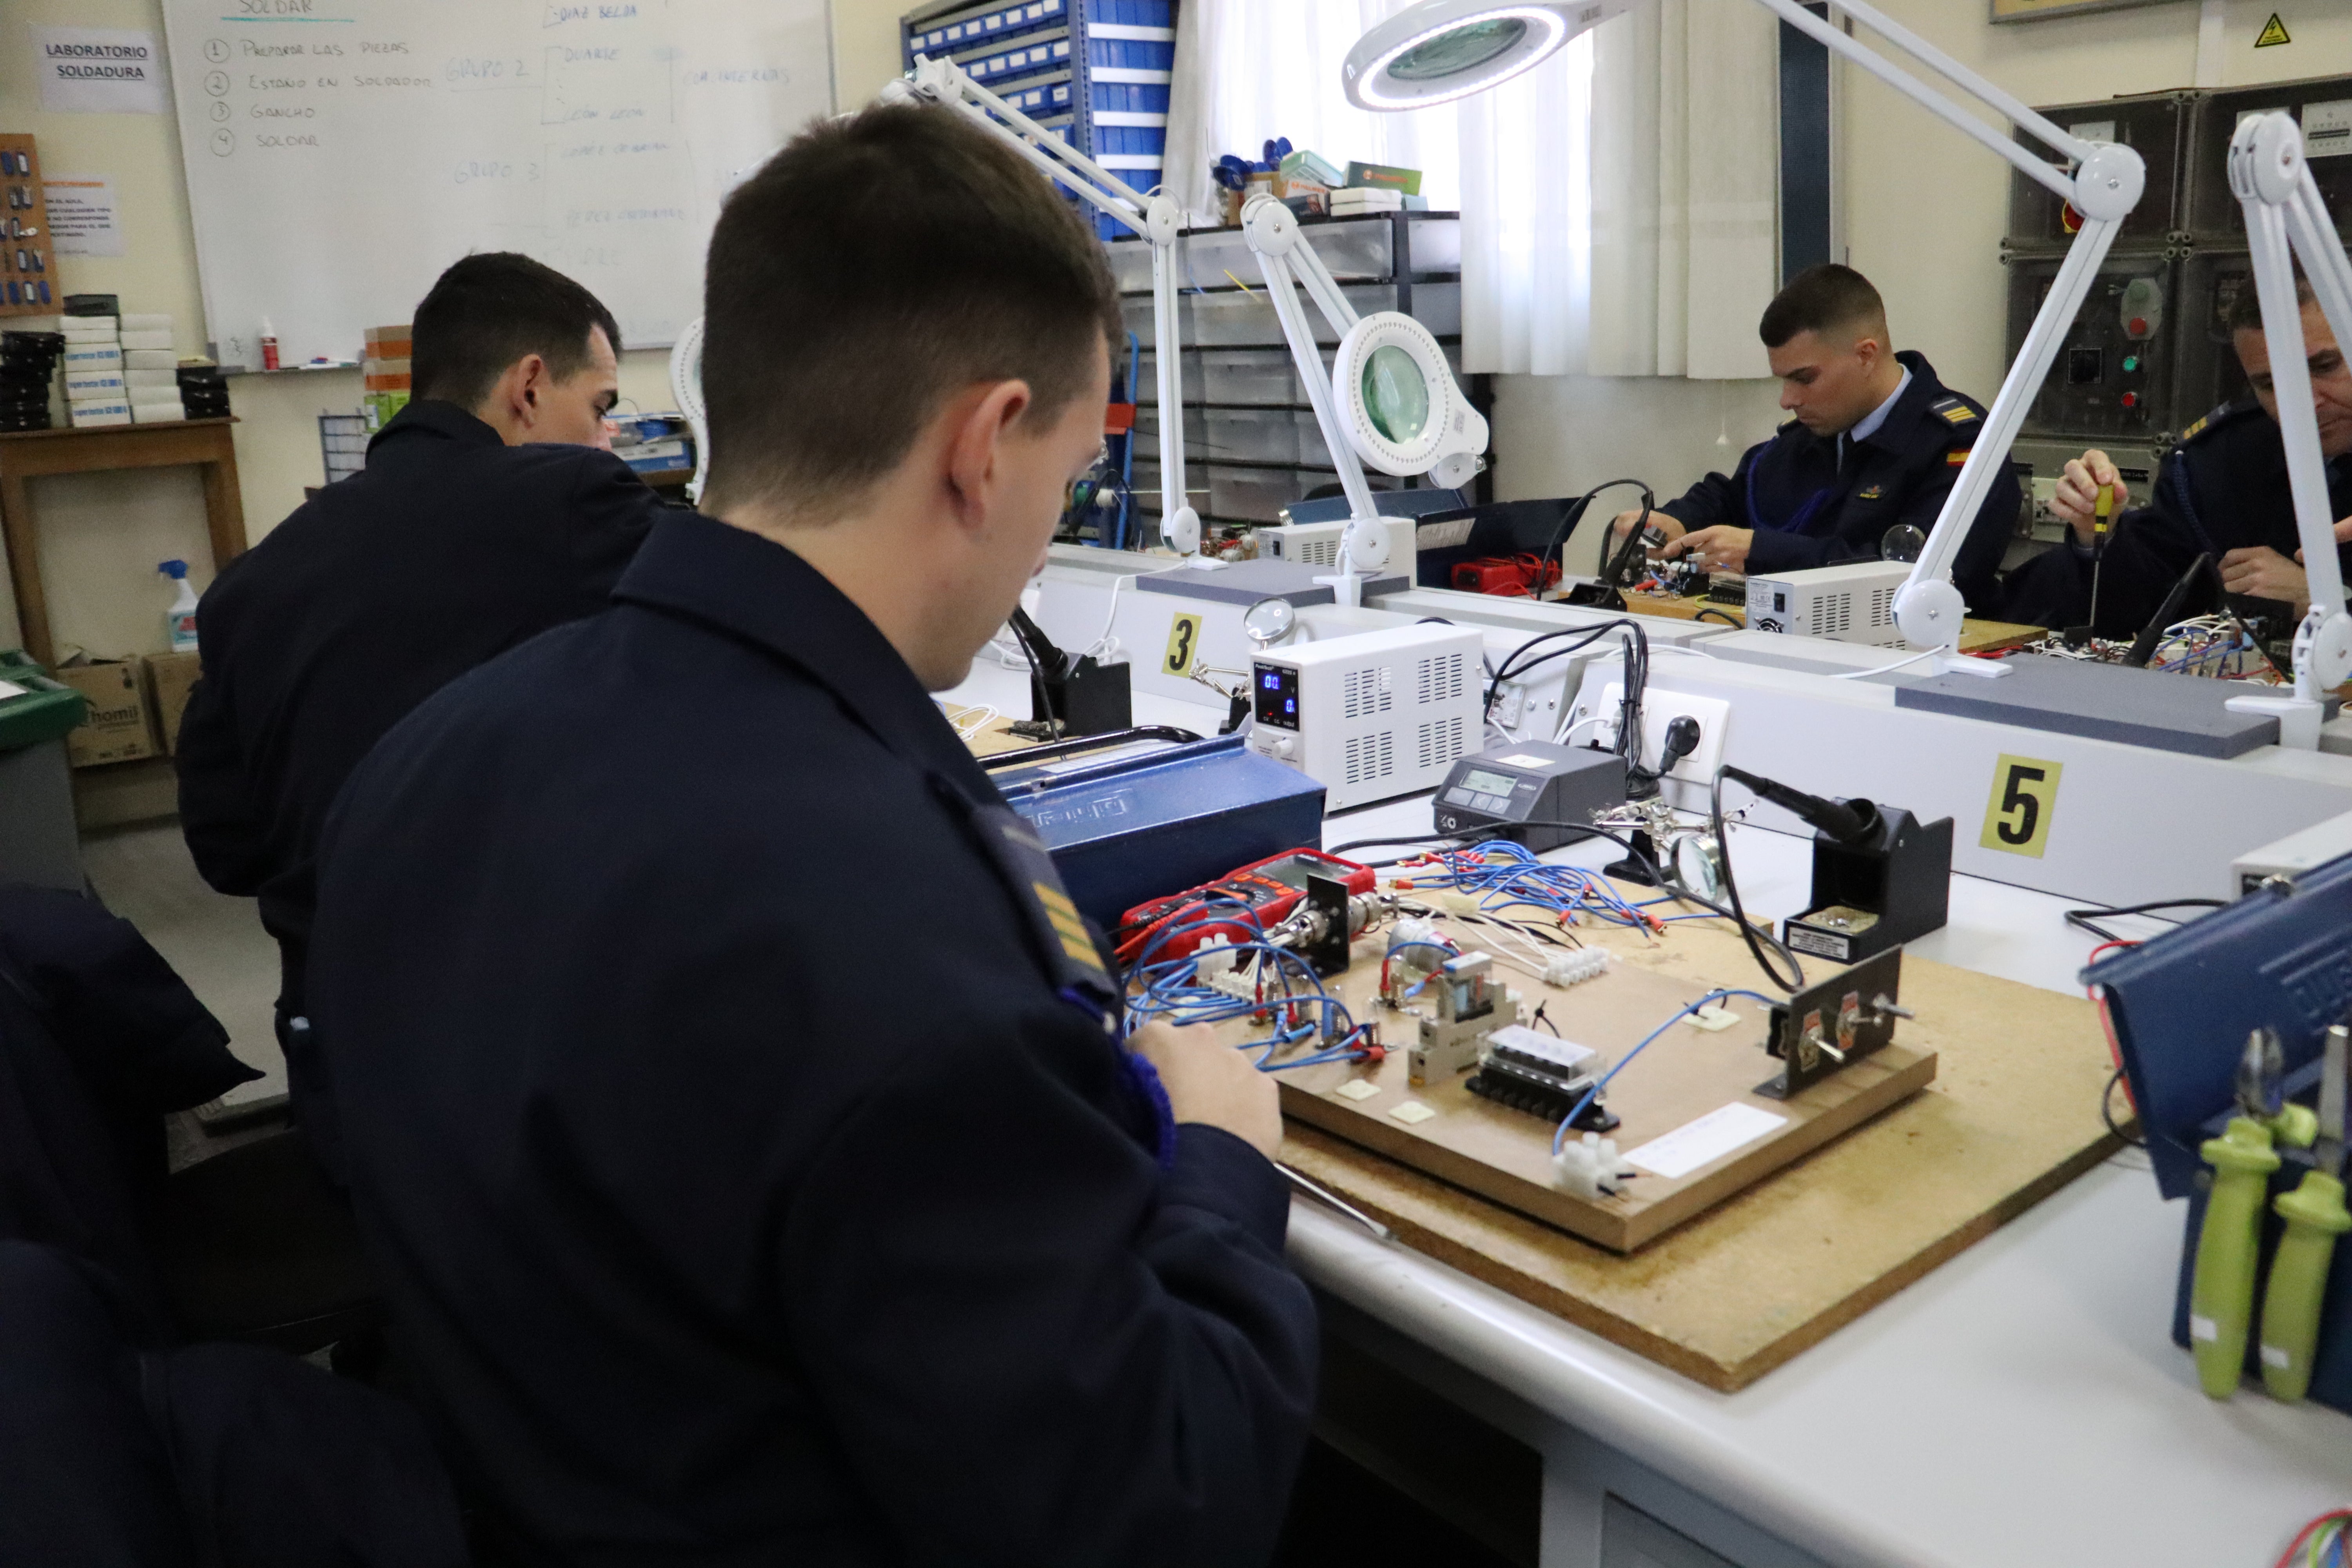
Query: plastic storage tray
1234	319
1245	434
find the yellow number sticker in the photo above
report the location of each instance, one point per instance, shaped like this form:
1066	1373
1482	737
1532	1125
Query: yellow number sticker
2024	798
1183	645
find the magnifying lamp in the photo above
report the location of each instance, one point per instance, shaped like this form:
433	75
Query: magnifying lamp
686	385
1440	50
1390	399
2287	221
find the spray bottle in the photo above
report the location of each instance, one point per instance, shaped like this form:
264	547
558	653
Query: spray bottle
180	620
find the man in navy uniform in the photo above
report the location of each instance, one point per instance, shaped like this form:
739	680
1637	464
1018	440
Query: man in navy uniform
2222	493
485	516
734	1101
1876	444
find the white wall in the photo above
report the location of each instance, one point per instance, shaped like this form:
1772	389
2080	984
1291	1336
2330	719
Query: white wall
101	535
1924	213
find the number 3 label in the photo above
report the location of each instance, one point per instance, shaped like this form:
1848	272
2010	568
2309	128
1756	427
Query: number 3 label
1183	645
2024	797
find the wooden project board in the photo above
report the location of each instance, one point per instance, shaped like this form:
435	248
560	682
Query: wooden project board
990	738
1976	637
1723	1300
1506	1154
28	261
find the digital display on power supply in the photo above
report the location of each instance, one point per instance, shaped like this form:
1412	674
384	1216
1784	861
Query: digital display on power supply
1277	686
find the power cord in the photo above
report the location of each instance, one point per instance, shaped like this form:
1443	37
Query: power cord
2082	919
1574	514
1731	892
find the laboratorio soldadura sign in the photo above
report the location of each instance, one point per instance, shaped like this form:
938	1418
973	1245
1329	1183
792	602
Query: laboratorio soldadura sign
99	70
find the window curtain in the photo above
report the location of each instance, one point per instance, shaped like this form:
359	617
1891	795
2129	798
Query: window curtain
1685	178
1618	202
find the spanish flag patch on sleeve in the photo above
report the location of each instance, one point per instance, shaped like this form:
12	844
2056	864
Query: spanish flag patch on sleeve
1957	459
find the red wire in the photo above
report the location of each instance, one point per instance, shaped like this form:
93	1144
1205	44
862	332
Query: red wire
2304	1536
2103	947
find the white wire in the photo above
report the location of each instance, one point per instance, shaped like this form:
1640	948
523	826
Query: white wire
1104	647
1881	670
1562	739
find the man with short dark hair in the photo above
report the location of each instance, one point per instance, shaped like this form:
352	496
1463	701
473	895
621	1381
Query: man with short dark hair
735	1102
2222	491
484	517
1877	443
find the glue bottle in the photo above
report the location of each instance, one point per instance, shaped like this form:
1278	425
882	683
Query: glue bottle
180	620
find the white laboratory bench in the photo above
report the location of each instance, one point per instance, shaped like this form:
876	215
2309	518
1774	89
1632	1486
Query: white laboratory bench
2022	1405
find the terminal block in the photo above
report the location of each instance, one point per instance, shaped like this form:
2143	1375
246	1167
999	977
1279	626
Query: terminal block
1542	1076
1470	1007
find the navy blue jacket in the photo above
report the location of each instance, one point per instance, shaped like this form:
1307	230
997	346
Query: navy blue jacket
1807	510
449	548
2224	488
746	1190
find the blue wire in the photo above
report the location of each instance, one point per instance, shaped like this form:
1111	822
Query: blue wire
1559	1138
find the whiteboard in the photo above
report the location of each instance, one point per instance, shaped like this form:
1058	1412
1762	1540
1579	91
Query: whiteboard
341	153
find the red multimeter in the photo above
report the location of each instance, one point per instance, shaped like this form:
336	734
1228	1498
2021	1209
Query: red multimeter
1272	888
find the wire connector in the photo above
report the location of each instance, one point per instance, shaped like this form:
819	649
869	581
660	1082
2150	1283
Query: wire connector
1573	968
1588	1167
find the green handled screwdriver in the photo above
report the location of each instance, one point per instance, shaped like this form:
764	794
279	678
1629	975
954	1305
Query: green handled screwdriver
2221	1291
2315	1216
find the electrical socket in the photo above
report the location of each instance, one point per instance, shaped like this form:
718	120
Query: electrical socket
1659	709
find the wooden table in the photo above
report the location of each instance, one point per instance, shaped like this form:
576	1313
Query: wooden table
1976	637
202	443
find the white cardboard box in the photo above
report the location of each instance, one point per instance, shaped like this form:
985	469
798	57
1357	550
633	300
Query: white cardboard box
150	359
162	340
95	384
157	413
139	379
81	357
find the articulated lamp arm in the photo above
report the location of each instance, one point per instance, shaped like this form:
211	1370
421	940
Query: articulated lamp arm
2286	221
1155	217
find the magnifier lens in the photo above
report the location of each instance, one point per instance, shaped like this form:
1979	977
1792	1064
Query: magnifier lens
1902	542
1395	393
1462	49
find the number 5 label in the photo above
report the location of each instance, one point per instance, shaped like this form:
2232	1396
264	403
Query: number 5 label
1183	645
2024	798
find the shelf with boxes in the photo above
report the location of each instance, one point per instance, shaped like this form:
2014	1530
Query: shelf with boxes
1094	72
2150	351
1252	445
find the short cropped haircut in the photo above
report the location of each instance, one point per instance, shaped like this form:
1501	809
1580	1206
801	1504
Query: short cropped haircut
1828	300
490	309
878	265
2245	311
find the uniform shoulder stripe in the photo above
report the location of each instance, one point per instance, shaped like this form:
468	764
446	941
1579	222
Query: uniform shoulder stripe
1953	410
2229	413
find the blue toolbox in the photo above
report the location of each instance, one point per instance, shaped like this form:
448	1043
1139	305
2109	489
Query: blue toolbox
2187	1010
1132	816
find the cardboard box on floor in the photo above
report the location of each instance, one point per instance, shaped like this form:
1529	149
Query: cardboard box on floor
170	677
116	728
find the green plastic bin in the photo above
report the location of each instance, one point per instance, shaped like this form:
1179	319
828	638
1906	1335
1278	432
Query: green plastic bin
39	843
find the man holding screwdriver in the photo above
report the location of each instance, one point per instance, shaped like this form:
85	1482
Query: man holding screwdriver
2222	491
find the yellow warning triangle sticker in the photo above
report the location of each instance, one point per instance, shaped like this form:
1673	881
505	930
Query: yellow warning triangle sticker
2274	32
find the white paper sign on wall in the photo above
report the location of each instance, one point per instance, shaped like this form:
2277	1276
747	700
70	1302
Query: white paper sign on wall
99	70
82	216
